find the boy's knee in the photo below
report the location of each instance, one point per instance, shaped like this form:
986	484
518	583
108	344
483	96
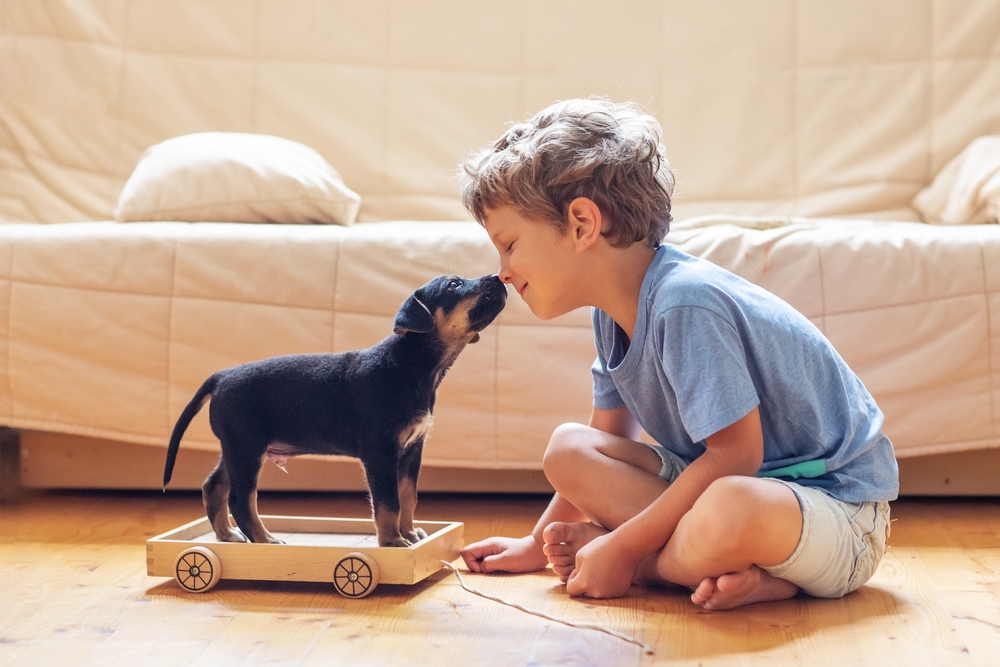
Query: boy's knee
563	448
728	490
725	513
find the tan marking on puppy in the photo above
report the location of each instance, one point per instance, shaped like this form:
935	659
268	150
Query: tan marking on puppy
407	505
454	327
387	528
260	533
215	496
416	431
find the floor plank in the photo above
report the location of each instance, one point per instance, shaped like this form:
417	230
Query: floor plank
73	590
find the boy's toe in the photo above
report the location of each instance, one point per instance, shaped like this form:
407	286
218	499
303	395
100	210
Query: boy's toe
557	532
563	571
562	561
703	593
557	549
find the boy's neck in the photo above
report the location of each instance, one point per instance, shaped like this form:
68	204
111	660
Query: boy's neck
620	281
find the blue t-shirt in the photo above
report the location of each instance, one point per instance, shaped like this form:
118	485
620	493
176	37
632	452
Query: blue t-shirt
709	347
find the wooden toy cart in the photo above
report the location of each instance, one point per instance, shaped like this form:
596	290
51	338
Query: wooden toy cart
343	551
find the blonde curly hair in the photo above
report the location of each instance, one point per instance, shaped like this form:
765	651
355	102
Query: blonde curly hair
609	153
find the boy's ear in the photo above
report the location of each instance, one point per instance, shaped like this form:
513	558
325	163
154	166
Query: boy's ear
585	222
413	316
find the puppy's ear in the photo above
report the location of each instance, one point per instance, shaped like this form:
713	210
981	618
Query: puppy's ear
413	316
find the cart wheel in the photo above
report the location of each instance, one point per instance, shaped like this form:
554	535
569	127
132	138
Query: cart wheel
356	575
197	569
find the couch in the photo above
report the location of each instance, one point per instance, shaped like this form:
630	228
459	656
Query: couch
799	131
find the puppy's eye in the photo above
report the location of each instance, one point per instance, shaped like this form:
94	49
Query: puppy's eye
453	284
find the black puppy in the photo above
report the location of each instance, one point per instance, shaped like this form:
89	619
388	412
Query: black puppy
375	404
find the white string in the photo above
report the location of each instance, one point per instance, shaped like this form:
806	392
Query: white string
583	626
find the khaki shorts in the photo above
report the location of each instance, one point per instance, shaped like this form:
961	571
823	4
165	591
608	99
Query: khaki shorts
841	543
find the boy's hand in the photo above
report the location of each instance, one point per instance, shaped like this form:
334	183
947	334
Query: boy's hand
603	569
505	554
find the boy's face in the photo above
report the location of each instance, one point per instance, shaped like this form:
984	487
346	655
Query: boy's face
536	258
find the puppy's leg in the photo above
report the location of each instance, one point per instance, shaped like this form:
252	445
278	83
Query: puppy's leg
409	469
215	494
381	474
243	499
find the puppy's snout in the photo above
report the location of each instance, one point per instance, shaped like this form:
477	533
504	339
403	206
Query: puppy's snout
494	286
492	297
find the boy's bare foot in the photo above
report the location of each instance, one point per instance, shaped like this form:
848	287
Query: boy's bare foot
741	588
563	540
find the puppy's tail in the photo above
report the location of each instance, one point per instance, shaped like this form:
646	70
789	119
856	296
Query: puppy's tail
200	397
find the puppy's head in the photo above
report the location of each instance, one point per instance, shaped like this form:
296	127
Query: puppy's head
456	308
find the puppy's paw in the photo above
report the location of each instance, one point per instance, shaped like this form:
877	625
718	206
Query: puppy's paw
416	535
265	537
398	541
234	535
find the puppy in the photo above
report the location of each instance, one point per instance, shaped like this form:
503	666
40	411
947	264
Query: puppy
375	404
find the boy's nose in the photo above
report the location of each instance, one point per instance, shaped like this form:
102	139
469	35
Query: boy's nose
505	274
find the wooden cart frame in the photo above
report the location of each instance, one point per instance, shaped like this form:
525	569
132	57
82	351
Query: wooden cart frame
342	551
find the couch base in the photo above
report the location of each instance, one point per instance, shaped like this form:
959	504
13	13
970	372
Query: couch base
55	460
52	460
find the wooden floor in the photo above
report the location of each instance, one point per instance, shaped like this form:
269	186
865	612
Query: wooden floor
73	591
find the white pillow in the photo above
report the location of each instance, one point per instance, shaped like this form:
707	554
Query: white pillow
235	177
967	190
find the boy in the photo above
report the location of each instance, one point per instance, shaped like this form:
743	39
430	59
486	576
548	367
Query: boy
770	474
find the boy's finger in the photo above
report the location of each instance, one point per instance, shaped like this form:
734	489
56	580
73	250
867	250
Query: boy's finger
574	586
471	562
493	563
482	549
475	555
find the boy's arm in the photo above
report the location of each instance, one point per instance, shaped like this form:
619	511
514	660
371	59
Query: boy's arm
524	554
606	566
618	422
